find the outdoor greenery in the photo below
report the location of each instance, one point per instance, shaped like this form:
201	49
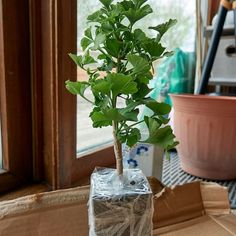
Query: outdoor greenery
122	69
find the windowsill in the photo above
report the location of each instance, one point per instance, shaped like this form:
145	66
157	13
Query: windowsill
24	191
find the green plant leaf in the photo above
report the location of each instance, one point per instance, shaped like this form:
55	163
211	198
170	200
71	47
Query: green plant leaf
134	15
143	90
162	28
127	5
160	136
94	17
157	107
106	3
139	3
99	119
139	35
85	42
101	86
121	84
88	33
113	114
77	59
106	27
113	47
140	64
131	105
155	49
77	87
133	137
99	39
87	59
129	115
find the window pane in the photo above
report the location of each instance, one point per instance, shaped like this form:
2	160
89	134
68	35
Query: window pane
182	36
88	138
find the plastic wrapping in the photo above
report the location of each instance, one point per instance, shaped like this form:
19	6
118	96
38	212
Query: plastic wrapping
121	206
174	75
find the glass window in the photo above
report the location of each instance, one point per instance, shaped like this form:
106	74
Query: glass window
88	138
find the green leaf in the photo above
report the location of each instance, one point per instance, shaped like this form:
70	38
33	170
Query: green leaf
168	54
139	35
77	87
159	136
113	47
85	42
169	147
99	39
121	84
106	3
133	137
101	86
155	49
134	15
139	3
106	27
143	90
77	59
140	64
127	5
104	102
152	123
131	105
162	28
129	115
87	59
88	33
99	119
157	107
94	17
113	114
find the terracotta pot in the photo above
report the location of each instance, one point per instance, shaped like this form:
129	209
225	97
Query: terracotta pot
205	126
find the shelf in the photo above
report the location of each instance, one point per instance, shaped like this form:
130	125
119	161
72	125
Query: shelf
223	81
227	31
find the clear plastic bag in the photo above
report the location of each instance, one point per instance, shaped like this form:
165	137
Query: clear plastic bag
120	205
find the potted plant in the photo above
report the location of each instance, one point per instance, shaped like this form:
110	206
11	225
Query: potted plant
121	70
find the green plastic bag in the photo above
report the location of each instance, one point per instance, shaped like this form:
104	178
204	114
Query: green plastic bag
174	75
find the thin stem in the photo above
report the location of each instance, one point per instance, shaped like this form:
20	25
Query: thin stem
132	125
87	100
117	150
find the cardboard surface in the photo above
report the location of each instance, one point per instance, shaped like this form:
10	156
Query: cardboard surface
176	205
202	226
178	211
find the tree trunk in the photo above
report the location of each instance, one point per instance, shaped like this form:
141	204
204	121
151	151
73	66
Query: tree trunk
117	150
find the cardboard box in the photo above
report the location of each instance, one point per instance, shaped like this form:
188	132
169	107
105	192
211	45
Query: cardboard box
192	209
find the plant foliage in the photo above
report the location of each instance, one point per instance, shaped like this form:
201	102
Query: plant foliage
121	69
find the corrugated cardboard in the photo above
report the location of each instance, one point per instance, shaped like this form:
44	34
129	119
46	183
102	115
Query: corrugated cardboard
200	209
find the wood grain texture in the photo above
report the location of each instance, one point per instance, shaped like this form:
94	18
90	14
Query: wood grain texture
59	107
15	91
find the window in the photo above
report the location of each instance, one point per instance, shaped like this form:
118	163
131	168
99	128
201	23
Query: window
15	94
38	115
87	136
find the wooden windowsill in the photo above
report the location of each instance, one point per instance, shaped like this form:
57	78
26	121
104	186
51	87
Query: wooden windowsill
25	190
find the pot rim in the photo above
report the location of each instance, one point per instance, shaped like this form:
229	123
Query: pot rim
202	96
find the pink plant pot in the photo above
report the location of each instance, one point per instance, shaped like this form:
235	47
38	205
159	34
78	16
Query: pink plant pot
205	126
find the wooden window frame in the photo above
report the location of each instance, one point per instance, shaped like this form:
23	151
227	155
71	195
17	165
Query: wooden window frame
15	92
41	144
58	68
